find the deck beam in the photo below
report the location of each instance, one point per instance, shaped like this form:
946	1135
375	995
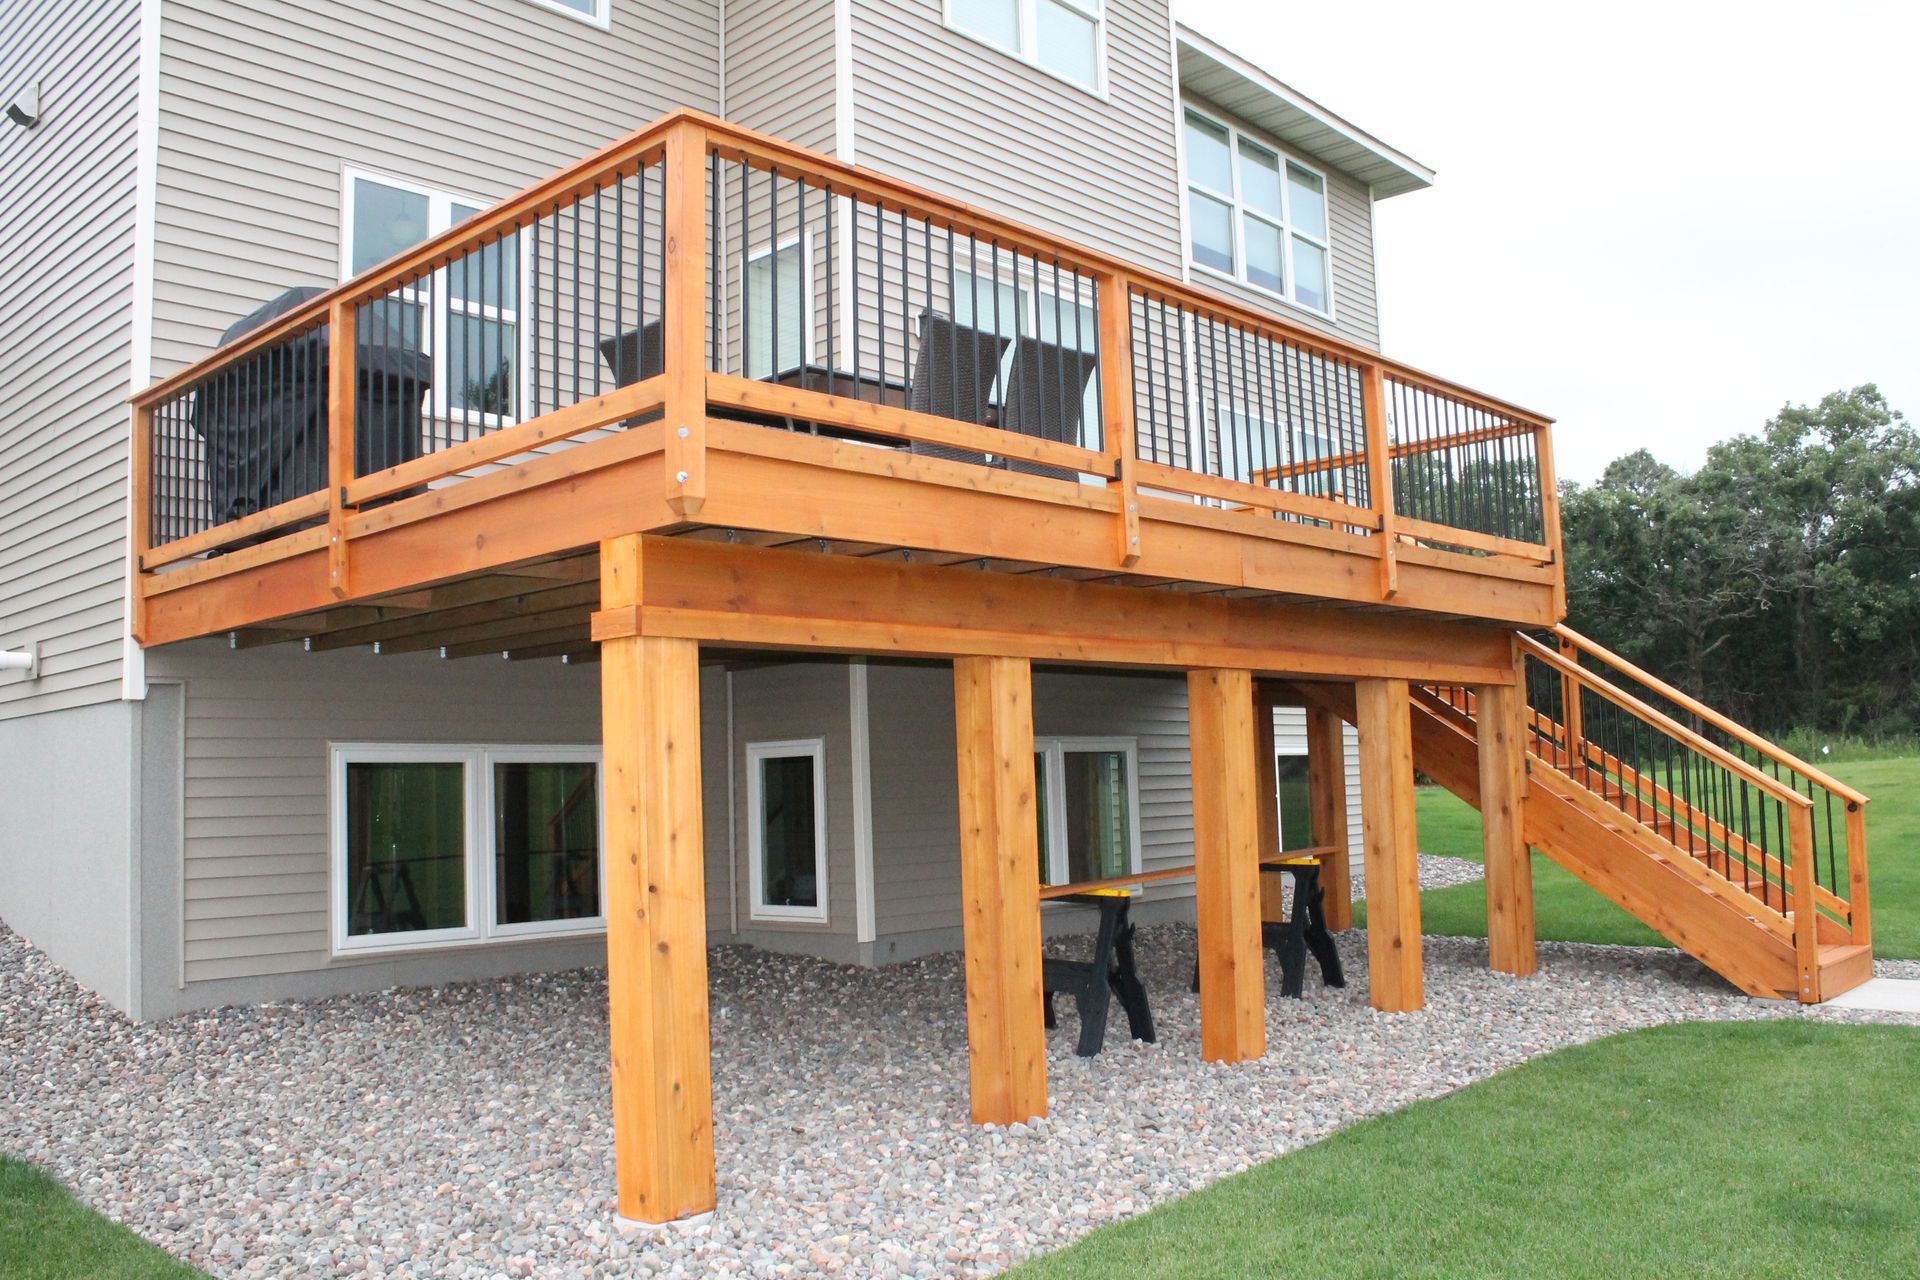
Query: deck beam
656	913
1394	968
1226	845
1509	870
1000	888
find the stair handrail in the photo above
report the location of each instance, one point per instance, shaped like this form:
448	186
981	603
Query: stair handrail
1653	715
1726	724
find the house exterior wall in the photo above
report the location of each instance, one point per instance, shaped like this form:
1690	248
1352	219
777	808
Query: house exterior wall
262	104
65	341
779	69
943	110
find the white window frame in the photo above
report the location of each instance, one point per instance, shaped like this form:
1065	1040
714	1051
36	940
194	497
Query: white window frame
784	749
440	204
807	313
1279	810
1028	23
1286	226
601	17
1053	751
481	890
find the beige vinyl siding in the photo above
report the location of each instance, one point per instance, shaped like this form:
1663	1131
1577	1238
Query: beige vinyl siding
780	69
945	111
258	723
1356	306
262	104
65	335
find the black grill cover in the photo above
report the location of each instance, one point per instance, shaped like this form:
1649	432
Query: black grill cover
264	421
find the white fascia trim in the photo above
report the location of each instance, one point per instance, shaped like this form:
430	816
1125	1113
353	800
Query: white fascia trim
1266	81
857	704
133	659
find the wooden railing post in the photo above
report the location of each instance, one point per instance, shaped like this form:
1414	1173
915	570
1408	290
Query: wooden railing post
1373	403
1571	729
139	517
1806	912
342	385
1116	406
1550	516
685	318
1861	911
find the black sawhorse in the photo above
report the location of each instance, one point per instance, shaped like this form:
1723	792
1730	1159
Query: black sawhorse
1303	931
1111	972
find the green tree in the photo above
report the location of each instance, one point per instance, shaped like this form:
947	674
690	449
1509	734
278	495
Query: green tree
1779	580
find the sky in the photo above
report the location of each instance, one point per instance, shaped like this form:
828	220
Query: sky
1655	223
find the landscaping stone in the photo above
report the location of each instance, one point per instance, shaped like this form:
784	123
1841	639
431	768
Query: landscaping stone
463	1130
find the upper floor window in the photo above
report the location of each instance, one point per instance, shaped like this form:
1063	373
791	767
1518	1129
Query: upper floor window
594	11
1255	215
1064	37
466	316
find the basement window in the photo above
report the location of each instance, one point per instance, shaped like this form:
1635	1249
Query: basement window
787	830
1296	820
438	846
1088	804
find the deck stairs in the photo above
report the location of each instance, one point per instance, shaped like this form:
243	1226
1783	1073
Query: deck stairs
1739	853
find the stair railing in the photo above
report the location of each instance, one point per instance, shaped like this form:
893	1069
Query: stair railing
1736	830
1839	812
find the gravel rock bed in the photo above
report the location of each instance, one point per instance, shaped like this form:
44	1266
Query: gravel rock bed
463	1130
1896	968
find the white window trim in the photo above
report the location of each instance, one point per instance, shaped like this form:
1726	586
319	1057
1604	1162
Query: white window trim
1028	19
1238	276
1297	435
477	763
1053	751
807	313
758	753
601	17
1279	810
440	203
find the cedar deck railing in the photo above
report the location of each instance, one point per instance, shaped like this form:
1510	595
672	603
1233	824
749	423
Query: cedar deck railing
645	282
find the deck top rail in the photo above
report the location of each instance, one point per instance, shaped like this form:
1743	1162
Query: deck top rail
644	284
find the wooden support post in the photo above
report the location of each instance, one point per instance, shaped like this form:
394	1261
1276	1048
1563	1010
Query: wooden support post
1000	888
656	911
342	352
1116	406
1857	902
1572	733
1806	912
1373	403
1550	516
1509	868
1392	844
685	317
1272	891
1327	808
1226	848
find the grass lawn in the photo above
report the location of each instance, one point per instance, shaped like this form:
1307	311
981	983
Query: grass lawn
45	1234
1657	1154
1567	911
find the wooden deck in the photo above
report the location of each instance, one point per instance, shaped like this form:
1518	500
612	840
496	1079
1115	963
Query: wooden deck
699	451
1125	472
